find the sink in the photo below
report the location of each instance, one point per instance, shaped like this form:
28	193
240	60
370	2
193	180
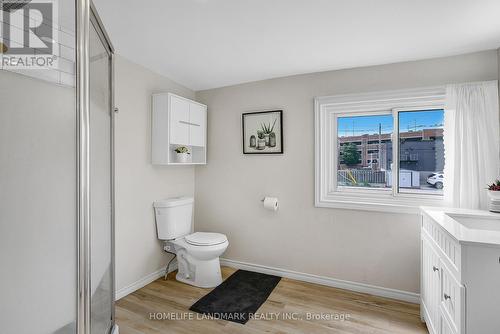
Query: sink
477	222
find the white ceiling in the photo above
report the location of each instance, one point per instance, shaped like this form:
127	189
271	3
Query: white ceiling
212	43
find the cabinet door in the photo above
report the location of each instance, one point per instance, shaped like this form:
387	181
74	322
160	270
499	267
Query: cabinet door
431	283
453	294
179	121
197	120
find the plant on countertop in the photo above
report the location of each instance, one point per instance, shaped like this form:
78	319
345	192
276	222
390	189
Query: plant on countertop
495	186
494	196
182	149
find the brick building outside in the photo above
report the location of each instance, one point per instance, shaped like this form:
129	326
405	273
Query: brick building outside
421	150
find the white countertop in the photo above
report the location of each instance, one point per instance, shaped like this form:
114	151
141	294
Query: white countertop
461	232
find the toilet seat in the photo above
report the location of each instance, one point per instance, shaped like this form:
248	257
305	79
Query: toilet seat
205	239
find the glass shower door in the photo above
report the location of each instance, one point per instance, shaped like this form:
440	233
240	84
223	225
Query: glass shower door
38	170
56	179
101	181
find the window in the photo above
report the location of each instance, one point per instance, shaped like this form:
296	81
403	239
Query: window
380	151
421	151
364	148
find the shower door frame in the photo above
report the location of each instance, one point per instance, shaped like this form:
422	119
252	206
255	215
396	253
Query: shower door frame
86	14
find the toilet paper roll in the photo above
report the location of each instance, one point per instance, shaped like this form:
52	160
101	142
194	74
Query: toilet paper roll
271	203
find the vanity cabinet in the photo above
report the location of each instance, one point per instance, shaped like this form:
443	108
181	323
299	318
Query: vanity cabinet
431	283
176	122
460	279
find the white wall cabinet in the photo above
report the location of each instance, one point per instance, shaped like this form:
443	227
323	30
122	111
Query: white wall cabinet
197	124
177	121
460	283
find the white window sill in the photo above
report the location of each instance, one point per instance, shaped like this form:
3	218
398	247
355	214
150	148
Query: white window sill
391	205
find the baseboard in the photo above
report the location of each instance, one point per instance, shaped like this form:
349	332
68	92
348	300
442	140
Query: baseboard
328	281
119	294
410	297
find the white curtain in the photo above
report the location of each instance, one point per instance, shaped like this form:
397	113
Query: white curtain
471	139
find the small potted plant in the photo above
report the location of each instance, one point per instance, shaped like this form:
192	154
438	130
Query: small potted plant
183	155
494	195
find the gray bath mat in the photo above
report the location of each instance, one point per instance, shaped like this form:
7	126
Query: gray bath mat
237	297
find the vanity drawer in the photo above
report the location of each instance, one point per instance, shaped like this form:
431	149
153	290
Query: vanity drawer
452	299
449	247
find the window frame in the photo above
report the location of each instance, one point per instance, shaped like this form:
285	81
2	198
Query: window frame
328	109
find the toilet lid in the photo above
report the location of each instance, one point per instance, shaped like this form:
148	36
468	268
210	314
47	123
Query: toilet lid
205	239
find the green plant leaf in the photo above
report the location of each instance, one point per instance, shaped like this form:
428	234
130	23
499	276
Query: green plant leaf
182	149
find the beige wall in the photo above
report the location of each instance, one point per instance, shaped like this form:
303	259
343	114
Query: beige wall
380	249
138	182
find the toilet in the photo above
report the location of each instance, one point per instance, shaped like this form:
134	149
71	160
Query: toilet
197	253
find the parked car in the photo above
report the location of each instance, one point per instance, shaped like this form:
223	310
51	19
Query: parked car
436	180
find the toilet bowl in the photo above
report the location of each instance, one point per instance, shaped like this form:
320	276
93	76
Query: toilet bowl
197	253
198	258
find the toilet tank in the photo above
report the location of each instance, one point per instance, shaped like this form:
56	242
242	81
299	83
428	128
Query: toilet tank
173	217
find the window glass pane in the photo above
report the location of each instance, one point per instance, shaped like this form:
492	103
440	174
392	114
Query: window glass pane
364	151
421	152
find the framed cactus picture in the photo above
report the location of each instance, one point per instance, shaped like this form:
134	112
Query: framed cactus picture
263	132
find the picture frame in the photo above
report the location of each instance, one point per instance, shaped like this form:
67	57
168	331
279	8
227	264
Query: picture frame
262	132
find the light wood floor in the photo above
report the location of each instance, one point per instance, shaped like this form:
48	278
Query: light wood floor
368	314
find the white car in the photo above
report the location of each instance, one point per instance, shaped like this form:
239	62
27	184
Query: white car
436	180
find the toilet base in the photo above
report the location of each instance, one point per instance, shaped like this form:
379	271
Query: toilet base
203	274
198	265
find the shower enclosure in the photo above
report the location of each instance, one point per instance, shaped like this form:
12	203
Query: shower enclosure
56	169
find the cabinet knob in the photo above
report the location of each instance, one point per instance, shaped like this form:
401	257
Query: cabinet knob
446	297
435	268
